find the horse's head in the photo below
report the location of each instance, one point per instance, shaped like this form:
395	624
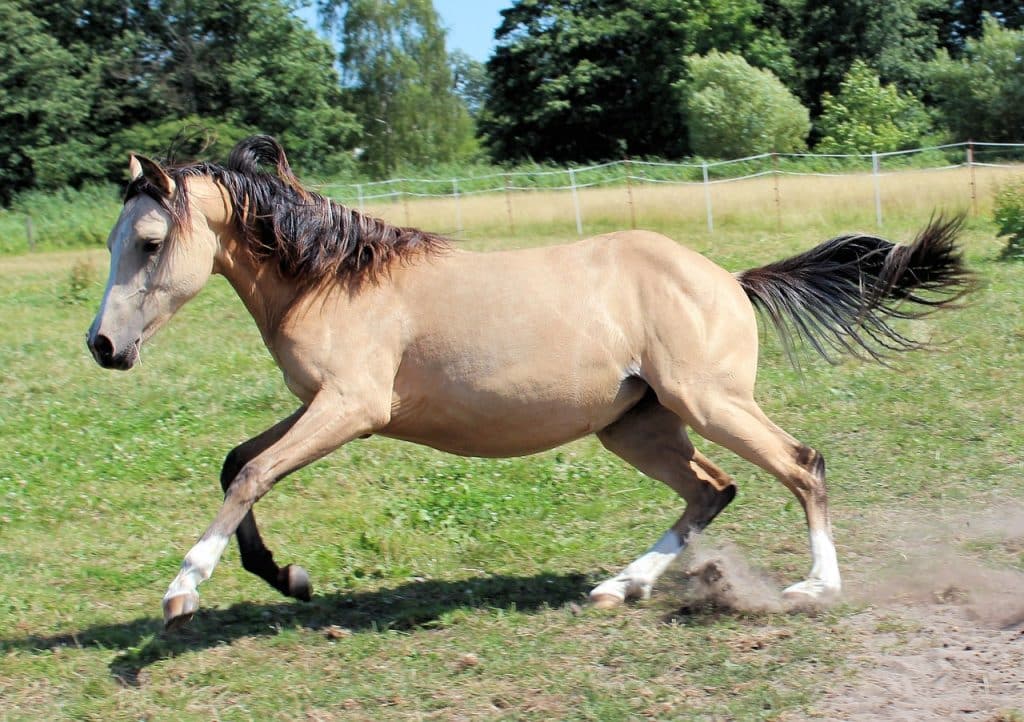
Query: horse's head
160	257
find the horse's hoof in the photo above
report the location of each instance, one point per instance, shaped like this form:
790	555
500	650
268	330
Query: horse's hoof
297	582
605	601
810	591
178	610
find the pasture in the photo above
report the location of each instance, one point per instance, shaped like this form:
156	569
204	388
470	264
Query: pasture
450	588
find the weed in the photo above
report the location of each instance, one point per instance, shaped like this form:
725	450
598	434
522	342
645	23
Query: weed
79	284
1008	214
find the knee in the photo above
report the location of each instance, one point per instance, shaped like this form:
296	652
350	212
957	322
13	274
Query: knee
233	464
247	484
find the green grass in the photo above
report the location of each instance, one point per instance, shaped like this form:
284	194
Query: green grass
419	559
54	220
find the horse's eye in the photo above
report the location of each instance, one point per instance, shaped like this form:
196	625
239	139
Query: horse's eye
150	246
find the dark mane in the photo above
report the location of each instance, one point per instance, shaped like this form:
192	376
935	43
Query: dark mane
310	238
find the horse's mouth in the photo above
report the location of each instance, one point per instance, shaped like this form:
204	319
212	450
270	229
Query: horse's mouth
127	359
105	355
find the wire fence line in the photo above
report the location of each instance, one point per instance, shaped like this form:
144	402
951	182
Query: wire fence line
950	156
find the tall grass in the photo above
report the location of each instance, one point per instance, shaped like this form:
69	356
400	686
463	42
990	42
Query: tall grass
67	218
785	203
539	205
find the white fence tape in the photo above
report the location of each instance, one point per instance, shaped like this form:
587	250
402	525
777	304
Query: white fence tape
662	173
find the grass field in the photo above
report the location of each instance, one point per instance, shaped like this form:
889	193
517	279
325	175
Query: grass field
451	588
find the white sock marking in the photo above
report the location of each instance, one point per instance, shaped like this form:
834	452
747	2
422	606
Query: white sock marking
638	578
824	580
198	565
825	565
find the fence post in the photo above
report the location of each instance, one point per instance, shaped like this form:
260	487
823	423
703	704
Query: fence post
707	198
30	232
405	203
458	207
970	169
629	194
508	205
359	191
878	187
576	202
778	196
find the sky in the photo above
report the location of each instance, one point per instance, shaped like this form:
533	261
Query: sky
470	24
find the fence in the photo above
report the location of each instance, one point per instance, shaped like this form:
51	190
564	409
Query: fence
632	174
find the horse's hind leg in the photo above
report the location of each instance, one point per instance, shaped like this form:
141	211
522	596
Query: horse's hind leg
291	580
732	419
654	440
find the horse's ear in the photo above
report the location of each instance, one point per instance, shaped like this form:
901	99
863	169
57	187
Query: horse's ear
140	166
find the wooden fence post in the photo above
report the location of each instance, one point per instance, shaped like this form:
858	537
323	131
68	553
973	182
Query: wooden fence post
875	172
629	194
576	202
508	205
458	207
778	196
707	198
970	169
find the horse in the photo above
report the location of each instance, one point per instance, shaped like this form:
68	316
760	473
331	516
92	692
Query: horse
396	331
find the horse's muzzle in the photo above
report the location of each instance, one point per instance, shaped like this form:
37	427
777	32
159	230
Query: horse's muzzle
102	349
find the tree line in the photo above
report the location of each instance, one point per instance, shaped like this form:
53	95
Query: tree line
373	87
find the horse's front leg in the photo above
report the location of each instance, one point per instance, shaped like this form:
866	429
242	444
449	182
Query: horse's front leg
329	421
291	580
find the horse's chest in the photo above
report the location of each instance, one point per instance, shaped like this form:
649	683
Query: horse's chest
300	387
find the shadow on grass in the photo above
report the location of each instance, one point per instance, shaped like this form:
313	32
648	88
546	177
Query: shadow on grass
420	604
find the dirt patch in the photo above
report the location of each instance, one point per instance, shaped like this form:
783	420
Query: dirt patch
942	631
940	625
924	661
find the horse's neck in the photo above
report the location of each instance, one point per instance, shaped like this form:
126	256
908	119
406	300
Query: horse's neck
265	294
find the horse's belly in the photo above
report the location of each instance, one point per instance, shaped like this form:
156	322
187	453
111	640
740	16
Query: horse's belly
482	422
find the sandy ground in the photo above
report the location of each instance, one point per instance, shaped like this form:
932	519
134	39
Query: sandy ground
939	625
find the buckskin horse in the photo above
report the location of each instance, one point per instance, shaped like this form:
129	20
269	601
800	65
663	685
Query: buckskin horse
396	331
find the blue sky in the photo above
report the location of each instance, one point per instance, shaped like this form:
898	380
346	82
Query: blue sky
471	24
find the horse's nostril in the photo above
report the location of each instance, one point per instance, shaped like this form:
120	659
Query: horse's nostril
102	349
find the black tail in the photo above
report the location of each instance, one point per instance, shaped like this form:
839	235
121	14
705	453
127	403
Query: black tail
840	295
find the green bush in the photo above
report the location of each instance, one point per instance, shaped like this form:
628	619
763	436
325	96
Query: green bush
1009	218
981	94
734	109
867	116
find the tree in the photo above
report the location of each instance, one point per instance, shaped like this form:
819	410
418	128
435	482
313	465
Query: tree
734	109
981	95
253	65
592	79
469	80
398	82
42	107
867	115
963	19
94	75
896	37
